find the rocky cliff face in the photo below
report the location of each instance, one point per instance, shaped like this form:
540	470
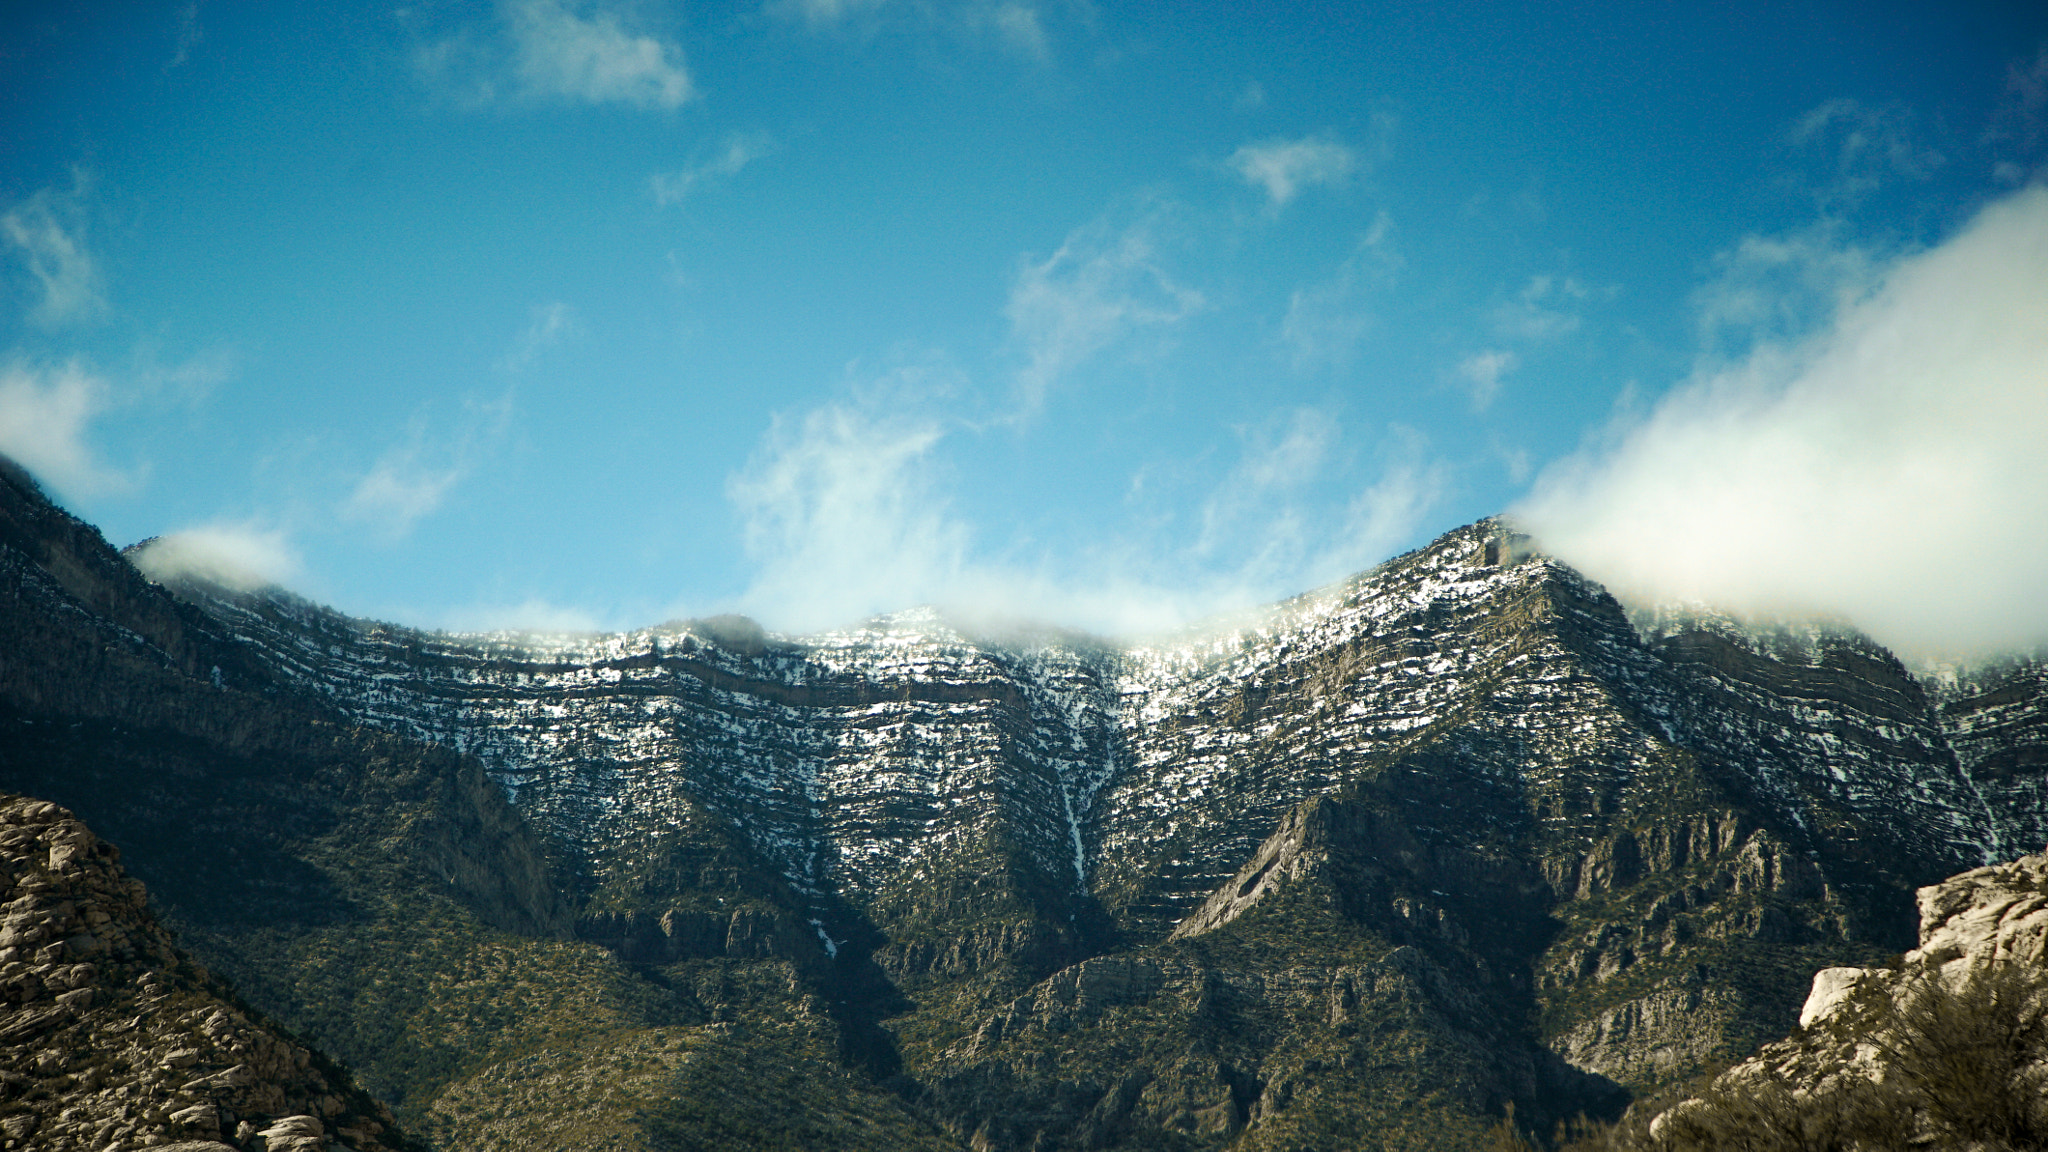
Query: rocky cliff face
111	1038
1996	717
1458	830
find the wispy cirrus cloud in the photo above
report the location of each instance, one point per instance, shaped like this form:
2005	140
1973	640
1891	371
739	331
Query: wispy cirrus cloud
412	479
1325	321
1277	532
1861	149
842	513
2018	132
46	236
1482	372
738	151
532	614
188	35
849	509
548	325
1545	308
1103	286
1283	168
1016	27
1774	287
822	14
559	50
1884	465
404	485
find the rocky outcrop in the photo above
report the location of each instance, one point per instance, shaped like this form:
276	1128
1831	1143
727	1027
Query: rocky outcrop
110	1038
1980	920
1648	1038
1300	844
1944	1048
698	934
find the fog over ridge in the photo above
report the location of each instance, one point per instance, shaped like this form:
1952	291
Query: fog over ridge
1890	468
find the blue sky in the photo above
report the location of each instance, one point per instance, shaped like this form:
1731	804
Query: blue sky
550	313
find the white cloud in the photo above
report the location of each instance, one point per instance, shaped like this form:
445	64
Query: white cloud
1255	494
824	13
740	150
241	556
1278	535
46	233
560	50
1772	288
1482	373
2020	126
845	513
45	414
1385	513
188	37
1516	461
412	479
1015	26
533	614
1253	517
1102	286
189	380
842	519
1887	468
398	490
1284	167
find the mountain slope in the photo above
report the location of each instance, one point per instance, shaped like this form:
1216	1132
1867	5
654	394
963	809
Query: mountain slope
109	1035
1382	859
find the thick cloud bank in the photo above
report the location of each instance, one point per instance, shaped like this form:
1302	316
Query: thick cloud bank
1891	468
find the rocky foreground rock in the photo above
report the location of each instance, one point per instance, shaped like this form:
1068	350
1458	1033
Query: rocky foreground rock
1946	1048
111	1039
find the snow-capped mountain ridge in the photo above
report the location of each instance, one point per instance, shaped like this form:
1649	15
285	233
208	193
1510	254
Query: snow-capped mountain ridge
854	757
1455	825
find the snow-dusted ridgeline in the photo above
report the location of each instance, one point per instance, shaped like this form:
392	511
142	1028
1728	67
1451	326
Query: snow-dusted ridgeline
864	758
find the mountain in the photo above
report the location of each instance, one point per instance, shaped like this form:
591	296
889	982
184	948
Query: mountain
1365	867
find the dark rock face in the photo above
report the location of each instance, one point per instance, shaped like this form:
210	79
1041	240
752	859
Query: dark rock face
1997	721
1370	864
109	1037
